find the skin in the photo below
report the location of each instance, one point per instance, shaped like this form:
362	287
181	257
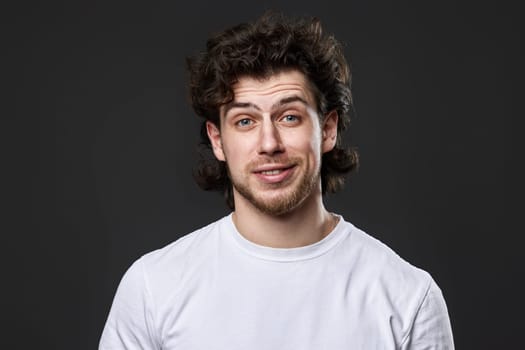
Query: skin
272	140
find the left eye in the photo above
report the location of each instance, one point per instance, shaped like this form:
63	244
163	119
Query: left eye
290	118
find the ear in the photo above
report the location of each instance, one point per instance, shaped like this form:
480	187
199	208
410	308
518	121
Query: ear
214	134
329	131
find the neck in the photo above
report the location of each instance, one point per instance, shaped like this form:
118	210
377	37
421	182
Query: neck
307	224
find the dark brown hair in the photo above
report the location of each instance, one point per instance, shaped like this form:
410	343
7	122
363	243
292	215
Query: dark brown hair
271	44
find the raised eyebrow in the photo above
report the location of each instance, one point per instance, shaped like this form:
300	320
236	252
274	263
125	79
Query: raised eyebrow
288	100
229	106
233	104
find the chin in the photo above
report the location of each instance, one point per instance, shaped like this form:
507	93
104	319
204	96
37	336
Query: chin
279	205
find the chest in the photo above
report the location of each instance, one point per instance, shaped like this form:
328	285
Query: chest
277	306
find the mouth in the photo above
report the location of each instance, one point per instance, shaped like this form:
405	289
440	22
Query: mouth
271	172
274	174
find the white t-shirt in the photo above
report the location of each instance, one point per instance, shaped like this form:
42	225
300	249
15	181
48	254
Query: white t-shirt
213	289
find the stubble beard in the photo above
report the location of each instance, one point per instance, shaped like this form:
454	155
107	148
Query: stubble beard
285	202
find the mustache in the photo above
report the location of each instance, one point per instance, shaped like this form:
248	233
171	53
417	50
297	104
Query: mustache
267	160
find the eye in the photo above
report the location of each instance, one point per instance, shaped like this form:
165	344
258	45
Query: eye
244	122
290	118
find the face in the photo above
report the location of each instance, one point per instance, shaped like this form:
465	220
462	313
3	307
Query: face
272	140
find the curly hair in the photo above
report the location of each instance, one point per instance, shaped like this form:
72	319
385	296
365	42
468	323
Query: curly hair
269	45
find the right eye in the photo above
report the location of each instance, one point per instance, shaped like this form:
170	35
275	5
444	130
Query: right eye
244	122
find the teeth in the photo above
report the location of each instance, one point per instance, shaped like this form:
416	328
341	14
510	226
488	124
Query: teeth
271	172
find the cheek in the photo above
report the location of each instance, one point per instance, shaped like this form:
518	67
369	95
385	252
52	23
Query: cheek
309	148
236	150
305	138
315	144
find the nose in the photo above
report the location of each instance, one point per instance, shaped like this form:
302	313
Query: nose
270	141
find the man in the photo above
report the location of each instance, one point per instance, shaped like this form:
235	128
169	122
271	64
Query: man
279	272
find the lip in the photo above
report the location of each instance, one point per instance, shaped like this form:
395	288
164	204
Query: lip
273	173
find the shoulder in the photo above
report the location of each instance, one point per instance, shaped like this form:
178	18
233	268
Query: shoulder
408	294
149	284
377	259
390	280
180	248
163	270
182	253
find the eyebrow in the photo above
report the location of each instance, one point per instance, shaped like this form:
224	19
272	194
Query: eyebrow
280	103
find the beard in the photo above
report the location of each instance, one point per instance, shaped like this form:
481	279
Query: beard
291	195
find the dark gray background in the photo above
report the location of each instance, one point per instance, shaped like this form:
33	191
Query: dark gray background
99	142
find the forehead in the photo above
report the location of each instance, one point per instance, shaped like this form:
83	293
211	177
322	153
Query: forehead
273	87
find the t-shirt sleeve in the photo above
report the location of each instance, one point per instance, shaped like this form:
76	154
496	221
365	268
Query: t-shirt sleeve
130	322
431	329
